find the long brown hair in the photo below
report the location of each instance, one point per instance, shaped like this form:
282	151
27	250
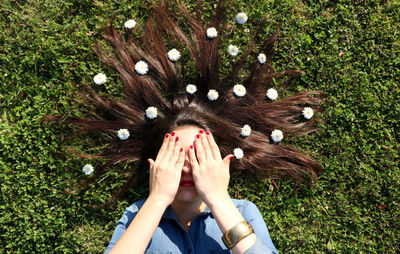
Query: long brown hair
164	88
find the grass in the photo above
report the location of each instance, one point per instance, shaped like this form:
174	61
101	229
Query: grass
45	52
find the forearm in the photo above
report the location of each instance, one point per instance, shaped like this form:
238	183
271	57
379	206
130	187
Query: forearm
227	216
138	235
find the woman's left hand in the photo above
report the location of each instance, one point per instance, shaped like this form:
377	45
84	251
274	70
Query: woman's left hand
210	172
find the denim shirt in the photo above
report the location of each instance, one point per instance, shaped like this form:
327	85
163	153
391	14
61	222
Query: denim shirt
204	235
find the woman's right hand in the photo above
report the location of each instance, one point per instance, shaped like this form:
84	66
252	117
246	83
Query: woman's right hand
165	171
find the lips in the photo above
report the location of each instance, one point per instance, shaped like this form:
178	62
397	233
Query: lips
186	183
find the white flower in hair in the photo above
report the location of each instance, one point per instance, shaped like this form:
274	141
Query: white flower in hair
239	90
238	153
233	50
272	94
212	33
212	95
174	55
100	79
87	169
261	58
141	67
123	134
246	130
151	112
130	24
241	18
191	88
277	135
308	112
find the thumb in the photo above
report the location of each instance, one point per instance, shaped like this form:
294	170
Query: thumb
151	162
228	158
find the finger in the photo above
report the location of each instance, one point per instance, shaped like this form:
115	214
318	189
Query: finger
192	158
181	159
213	146
164	146
175	151
207	151
151	162
170	147
227	160
199	149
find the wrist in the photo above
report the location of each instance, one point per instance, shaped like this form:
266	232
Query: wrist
225	213
237	233
158	201
218	200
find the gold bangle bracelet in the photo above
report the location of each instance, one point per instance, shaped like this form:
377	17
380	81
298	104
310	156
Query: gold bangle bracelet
236	234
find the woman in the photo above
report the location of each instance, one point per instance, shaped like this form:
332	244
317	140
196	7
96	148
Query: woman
190	178
172	127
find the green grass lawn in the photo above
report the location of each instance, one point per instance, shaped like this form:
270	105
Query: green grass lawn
348	49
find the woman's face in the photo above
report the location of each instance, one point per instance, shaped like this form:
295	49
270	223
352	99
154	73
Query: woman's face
187	190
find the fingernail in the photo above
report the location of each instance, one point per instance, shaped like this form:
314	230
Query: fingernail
177	138
207	132
191	147
180	150
167	135
231	158
201	131
173	133
197	136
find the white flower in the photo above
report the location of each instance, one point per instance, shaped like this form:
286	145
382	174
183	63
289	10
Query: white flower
239	90
151	112
212	33
271	188
238	153
130	24
233	50
141	67
241	18
261	58
174	55
308	112
246	130
87	169
212	95
272	94
277	135
191	88
100	79
123	134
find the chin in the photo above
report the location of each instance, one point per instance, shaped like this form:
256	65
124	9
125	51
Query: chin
187	195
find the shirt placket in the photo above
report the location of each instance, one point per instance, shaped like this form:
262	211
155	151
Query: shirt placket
188	243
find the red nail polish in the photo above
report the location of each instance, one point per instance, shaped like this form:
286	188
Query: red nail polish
180	150
201	131
177	138
207	132
191	147
173	133
231	158
197	136
167	135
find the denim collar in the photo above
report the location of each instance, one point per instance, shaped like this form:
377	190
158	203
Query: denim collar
170	214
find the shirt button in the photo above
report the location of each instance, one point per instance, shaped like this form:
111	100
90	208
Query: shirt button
189	251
